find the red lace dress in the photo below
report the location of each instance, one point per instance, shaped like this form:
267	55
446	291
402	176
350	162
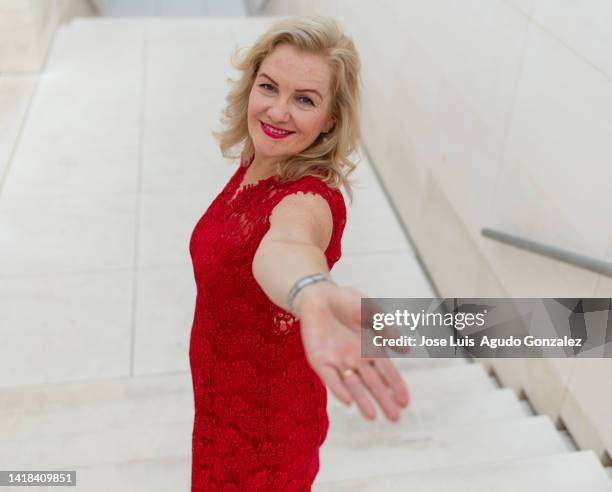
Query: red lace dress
260	409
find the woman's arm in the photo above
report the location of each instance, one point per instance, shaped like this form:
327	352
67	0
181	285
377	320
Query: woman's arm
330	315
300	230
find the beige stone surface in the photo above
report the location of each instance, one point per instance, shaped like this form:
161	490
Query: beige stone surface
445	245
473	443
585	408
90	240
499	121
16	92
27	29
563	472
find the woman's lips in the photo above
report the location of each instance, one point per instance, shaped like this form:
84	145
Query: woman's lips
271	133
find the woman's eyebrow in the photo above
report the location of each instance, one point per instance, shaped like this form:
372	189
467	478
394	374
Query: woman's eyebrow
297	90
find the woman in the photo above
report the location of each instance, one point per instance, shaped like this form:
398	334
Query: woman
271	328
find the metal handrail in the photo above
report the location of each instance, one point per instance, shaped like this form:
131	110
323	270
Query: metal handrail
576	259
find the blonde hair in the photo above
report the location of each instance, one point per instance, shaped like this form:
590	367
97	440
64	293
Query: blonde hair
328	156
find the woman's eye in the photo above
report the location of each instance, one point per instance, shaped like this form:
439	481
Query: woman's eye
307	100
269	87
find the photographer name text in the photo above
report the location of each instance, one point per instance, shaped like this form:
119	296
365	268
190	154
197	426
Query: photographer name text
511	341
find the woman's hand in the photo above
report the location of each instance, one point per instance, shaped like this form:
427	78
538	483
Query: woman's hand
330	319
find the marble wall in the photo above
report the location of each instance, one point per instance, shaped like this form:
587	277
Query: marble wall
497	113
27	28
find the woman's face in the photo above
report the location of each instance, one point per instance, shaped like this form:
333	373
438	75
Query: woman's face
291	92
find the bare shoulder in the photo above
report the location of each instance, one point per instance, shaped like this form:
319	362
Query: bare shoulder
303	216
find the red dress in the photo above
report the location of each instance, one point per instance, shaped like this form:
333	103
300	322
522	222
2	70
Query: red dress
260	409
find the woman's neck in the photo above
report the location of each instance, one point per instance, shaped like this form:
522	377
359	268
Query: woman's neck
261	169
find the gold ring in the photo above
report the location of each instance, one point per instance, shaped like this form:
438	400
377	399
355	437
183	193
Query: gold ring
347	372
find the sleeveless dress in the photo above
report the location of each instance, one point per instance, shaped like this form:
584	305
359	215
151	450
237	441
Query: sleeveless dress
260	409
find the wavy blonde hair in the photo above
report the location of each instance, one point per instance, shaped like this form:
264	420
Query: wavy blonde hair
328	156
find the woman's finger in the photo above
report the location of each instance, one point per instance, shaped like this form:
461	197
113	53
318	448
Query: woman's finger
355	385
394	380
377	385
332	379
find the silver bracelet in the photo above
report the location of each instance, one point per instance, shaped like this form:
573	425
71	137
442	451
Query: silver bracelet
300	284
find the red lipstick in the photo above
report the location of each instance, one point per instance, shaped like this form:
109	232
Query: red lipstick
273	131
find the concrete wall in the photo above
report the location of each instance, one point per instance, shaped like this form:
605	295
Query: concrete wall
497	113
27	28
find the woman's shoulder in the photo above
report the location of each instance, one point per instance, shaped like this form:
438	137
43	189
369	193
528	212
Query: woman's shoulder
313	184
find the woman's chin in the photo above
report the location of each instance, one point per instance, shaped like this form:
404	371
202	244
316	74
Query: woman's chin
268	153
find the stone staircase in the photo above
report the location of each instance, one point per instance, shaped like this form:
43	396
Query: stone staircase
461	430
124	430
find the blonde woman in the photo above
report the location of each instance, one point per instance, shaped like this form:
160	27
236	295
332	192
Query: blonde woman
271	328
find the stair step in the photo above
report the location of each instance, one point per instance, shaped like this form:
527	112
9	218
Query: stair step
566	472
563	473
43	398
496	405
69	408
112	433
54	397
96	432
94	440
164	475
527	407
73	451
437	447
120	414
568	440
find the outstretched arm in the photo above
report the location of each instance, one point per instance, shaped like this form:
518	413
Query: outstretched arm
300	230
330	315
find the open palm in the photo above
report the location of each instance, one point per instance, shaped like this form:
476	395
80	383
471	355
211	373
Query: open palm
330	318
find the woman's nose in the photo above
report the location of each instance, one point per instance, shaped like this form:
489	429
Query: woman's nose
279	111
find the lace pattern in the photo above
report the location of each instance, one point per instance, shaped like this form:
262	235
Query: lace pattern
260	409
